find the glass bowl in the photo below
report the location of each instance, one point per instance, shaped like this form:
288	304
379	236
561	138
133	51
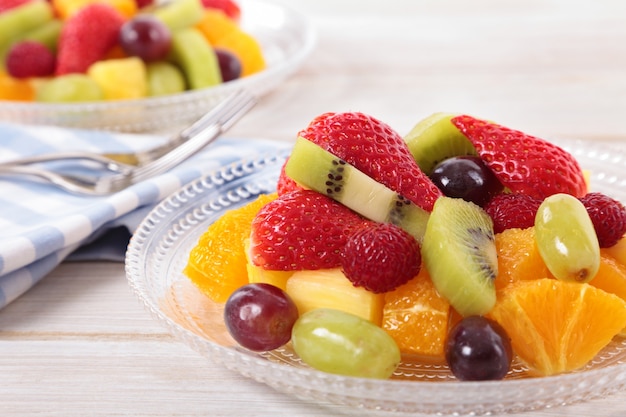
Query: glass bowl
159	251
286	38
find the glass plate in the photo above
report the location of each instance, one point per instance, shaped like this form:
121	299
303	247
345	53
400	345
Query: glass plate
159	250
286	37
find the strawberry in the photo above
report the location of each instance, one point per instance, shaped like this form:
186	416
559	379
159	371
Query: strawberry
523	163
301	230
380	257
229	7
285	184
30	59
6	5
376	149
87	36
510	211
608	217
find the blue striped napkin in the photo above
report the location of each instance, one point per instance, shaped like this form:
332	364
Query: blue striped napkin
41	225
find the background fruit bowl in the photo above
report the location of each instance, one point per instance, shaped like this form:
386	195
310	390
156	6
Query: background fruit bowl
286	38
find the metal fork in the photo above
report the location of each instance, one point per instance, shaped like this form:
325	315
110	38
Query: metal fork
119	161
223	116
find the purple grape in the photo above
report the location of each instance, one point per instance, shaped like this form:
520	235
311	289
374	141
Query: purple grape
146	37
478	349
466	177
260	316
230	65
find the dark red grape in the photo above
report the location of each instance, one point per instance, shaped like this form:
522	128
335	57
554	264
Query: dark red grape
466	177
478	349
260	316
146	37
230	65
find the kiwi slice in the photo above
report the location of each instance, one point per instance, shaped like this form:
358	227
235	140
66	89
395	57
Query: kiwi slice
434	139
317	169
196	57
460	255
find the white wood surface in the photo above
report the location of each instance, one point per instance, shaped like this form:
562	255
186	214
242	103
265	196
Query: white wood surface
80	344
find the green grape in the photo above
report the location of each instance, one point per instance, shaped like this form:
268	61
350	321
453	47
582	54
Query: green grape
70	88
337	342
566	239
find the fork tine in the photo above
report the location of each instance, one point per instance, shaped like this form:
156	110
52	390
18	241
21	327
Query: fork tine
221	118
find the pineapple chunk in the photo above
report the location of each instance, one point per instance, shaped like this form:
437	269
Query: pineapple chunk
329	288
124	78
276	278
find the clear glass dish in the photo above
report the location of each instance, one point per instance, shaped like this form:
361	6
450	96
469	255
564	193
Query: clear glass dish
286	37
159	250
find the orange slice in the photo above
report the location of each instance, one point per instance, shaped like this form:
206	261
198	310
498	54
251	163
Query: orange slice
416	317
558	326
611	276
217	264
518	257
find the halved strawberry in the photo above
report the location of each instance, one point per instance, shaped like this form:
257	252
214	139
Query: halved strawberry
376	149
301	230
87	36
523	163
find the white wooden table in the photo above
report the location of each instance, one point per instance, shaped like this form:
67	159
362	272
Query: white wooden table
80	344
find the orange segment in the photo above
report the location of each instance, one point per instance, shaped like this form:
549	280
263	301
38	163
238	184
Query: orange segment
518	257
215	24
15	89
416	317
558	326
217	264
246	48
611	276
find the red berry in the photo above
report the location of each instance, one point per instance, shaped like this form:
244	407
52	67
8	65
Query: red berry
301	230
87	36
230	7
523	163
380	257
30	59
6	5
608	217
511	211
285	184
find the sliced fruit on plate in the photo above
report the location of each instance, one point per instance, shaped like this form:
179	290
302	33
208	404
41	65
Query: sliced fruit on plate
301	230
374	148
557	326
435	139
524	163
417	317
459	252
315	168
217	264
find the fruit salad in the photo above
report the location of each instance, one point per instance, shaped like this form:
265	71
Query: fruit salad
464	242
94	50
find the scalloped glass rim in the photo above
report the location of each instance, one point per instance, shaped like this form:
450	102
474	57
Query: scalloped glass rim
286	37
158	252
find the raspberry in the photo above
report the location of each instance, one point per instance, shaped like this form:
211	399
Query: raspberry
512	211
30	59
380	257
608	217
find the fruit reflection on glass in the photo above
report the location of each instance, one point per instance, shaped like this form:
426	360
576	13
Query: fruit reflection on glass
92	50
372	231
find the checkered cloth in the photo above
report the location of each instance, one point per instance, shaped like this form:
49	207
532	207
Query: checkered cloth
41	225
